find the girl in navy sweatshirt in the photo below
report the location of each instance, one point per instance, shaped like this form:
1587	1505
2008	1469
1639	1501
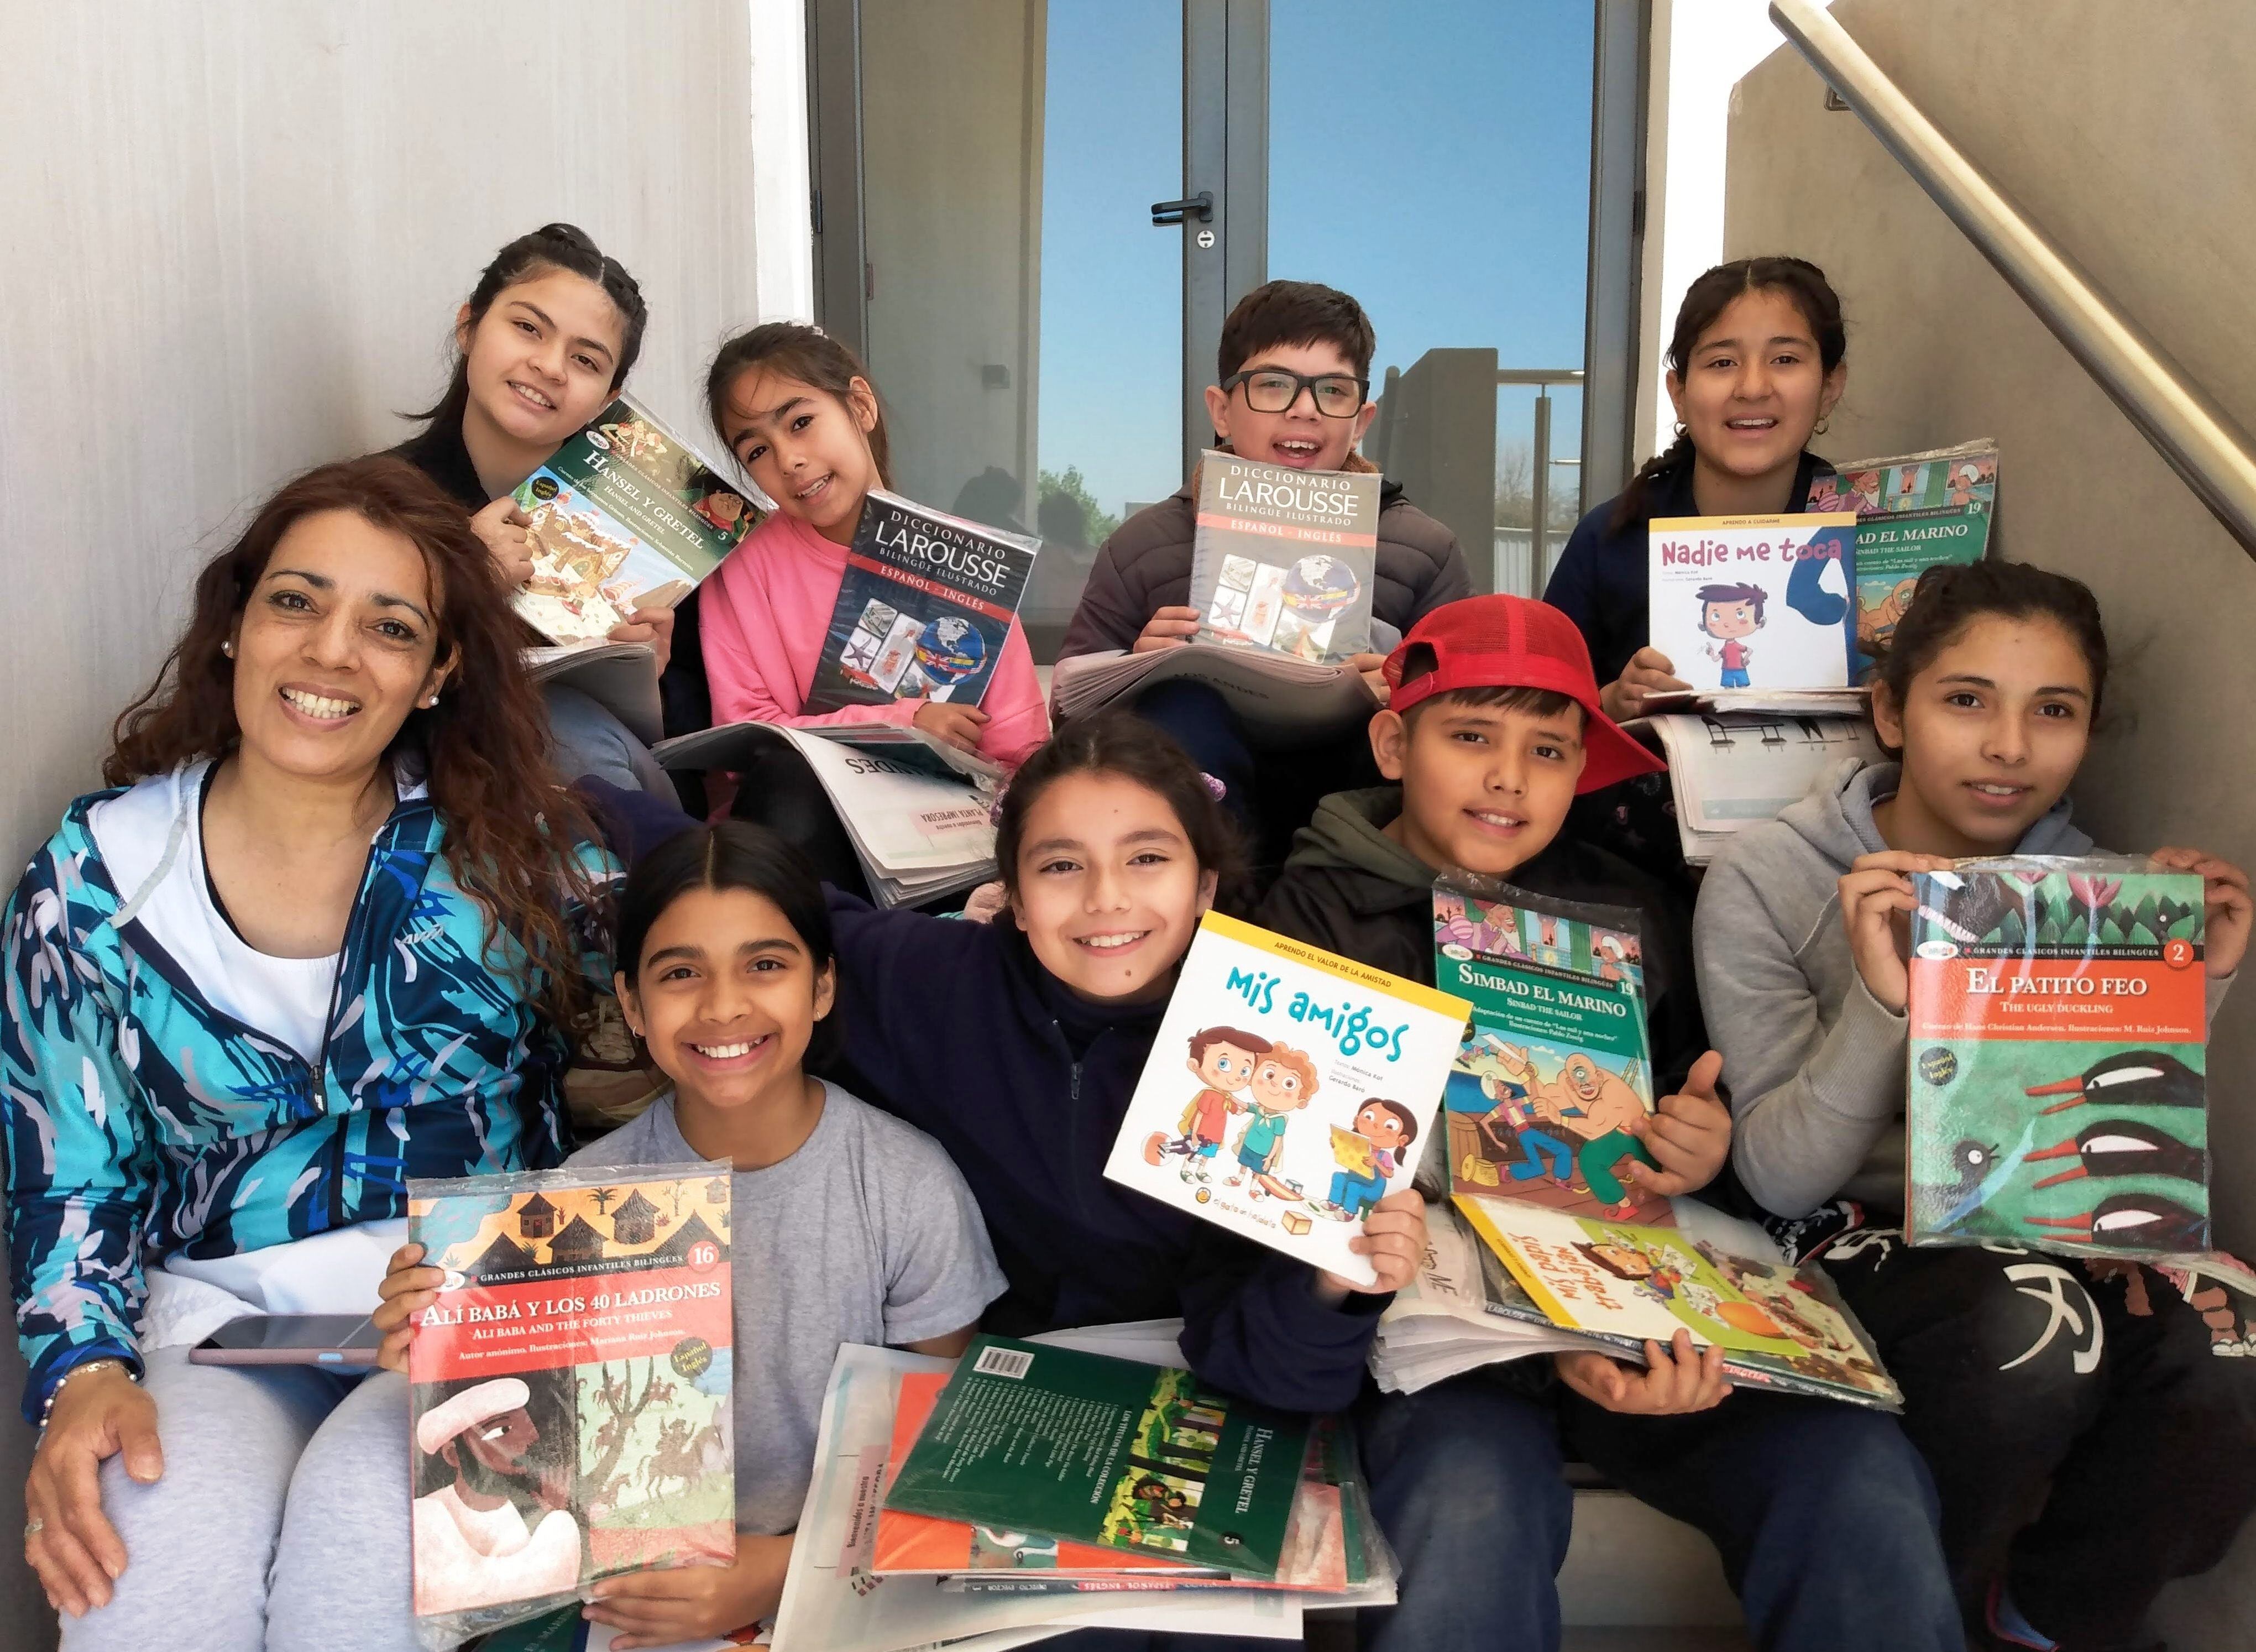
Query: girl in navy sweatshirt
1755	365
1017	1044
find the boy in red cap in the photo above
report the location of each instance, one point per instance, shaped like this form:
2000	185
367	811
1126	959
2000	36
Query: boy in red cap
1823	1512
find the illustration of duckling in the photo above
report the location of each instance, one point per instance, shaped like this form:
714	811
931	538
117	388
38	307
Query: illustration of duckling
1971	1162
2133	1221
2124	1147
2135	1078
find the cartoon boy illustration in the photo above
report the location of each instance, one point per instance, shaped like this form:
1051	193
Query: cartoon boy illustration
1222	1059
1543	1149
1728	613
1369	1156
1284	1082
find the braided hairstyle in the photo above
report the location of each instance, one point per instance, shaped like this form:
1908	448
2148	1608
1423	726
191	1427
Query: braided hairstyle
552	246
1705	301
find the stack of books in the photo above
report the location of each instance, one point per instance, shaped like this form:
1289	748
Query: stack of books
1035	1487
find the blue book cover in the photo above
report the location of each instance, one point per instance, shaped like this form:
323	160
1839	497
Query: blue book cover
924	609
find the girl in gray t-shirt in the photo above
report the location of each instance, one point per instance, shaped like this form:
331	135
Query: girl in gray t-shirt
845	1226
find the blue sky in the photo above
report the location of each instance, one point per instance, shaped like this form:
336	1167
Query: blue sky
1429	156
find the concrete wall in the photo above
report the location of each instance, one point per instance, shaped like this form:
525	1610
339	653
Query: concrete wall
952	101
2128	133
237	235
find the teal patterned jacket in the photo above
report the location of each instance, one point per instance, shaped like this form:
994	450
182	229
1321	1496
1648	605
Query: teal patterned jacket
137	1121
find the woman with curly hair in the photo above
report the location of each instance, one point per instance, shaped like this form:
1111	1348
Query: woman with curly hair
327	930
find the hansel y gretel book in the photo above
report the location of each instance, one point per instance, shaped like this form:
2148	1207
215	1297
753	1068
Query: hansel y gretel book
1284	559
1091	1450
2059	1020
1556	1071
625	515
569	1392
1754	601
1624	1285
1912	512
1287	1092
924	609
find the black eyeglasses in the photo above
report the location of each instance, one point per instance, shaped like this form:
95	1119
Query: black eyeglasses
1273	389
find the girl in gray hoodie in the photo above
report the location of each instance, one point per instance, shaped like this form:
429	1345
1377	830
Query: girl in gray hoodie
2084	1390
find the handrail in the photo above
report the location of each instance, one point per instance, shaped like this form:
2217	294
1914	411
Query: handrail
2211	453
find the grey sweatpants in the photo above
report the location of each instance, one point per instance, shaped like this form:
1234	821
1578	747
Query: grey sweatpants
584	738
279	1523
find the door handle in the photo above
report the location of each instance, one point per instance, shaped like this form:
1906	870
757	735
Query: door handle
1167	212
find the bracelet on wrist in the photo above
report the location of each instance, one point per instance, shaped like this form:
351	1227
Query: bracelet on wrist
108	1362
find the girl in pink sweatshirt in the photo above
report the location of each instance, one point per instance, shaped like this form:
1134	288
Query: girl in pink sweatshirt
795	408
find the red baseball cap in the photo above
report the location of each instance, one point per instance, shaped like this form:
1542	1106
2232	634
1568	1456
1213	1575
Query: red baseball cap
1515	642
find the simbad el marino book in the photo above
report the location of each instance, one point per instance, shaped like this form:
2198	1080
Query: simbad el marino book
924	609
1556	1072
625	515
1090	1450
1913	511
2059	1020
1287	1092
569	1392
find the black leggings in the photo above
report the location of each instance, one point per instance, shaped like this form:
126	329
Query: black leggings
2086	1444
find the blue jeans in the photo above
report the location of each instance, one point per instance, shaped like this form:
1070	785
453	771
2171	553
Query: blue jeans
1827	1521
1824	1515
584	738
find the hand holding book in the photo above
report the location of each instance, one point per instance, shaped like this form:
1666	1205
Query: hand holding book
408	1288
1876	907
1675	1379
1392	1241
2225	905
1688	1135
1649	671
1169	627
689	1603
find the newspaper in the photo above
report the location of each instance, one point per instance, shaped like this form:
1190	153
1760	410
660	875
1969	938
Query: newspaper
1729	769
914	807
1285	701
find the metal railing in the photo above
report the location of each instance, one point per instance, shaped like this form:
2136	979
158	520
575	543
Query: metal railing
2211	453
1539	463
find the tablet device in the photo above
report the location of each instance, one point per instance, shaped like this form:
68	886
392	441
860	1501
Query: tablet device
348	1340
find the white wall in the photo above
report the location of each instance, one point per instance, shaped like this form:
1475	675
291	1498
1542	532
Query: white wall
237	233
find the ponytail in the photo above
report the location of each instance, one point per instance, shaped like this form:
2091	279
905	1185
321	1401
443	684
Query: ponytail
1705	301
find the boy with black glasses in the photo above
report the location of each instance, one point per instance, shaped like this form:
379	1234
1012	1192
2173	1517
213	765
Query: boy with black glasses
1292	388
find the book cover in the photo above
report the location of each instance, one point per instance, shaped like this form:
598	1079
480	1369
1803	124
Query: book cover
2056	1095
1556	1072
1626	1284
923	610
908	1542
1913	511
1087	1449
1284	559
1287	1092
1754	601
569	1392
625	515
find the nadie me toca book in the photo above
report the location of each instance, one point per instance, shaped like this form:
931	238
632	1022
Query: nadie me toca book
1087	1449
1913	511
569	1391
1556	1072
1284	559
2059	1022
1287	1092
625	515
924	609
1624	1285
1754	601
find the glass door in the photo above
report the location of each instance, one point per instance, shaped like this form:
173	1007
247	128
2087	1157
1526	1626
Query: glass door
1032	216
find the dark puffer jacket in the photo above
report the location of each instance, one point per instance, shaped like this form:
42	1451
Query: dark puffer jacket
1146	566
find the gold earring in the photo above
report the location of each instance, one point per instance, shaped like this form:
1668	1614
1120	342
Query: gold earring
1822	423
